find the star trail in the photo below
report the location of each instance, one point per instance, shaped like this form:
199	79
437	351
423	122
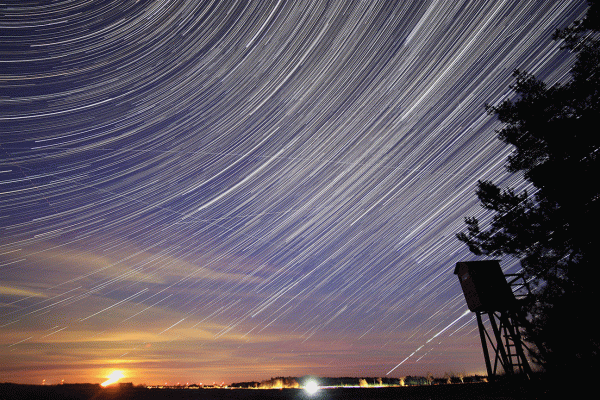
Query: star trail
234	190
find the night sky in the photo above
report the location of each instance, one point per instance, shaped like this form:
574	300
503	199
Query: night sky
199	191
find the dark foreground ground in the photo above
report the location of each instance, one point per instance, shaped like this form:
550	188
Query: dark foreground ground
483	391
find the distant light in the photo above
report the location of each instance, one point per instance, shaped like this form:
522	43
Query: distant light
311	387
113	377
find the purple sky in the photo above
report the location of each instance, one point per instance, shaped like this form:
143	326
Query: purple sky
198	191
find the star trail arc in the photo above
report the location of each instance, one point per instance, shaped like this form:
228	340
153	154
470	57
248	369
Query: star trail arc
263	185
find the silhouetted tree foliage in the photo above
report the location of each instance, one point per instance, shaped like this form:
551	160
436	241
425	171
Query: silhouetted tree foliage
554	230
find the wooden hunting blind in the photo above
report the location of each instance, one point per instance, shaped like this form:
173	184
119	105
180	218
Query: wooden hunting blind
487	292
484	285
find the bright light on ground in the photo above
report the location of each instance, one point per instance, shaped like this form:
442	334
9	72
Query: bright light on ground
113	377
311	387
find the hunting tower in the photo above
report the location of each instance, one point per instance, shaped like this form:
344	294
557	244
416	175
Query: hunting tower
488	292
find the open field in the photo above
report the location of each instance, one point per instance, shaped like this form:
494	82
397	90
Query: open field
491	391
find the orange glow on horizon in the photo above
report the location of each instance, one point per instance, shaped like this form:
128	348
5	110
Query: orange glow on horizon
113	378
